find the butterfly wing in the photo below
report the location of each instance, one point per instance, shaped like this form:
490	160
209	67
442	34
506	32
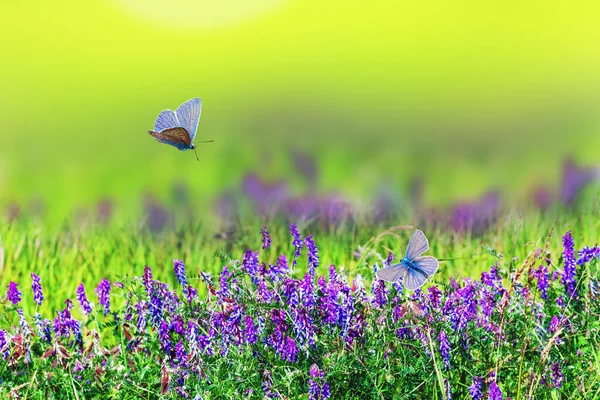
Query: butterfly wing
165	120
427	264
392	274
177	137
421	268
417	245
414	279
188	115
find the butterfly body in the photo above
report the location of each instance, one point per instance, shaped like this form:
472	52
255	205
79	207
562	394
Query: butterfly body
178	128
414	269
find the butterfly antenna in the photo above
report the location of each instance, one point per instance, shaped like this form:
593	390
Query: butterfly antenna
196	153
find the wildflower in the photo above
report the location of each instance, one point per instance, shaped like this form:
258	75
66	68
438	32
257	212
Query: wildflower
266	238
494	391
147	279
380	292
165	337
279	269
306	290
36	286
103	292
313	255
180	275
444	349
541	275
267	384
180	353
290	291
447	389
250	332
556	375
435	296
156	309
250	265
296	242
569	271
82	298
13	294
25	328
475	388
4	345
587	254
314	390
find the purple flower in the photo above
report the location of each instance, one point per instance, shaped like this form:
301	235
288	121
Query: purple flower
541	275
82	298
147	279
569	271
556	375
266	238
103	292
494	391
435	296
574	179
4	345
36	286
156	309
380	293
165	336
314	389
444	349
278	270
296	242
223	291
313	255
250	332
267	384
250	265
13	294
306	290
325	392
587	254
475	388
25	328
180	353
180	275
447	389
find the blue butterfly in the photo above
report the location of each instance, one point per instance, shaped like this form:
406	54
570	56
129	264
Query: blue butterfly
414	269
178	128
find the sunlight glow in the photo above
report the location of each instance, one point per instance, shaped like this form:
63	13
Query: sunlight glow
198	13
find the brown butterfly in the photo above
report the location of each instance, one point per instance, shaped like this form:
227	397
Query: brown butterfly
178	128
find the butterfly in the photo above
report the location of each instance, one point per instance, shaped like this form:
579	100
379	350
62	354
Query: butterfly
414	269
178	128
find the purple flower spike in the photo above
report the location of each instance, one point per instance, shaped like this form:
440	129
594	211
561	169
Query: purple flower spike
475	388
541	275
313	255
570	269
266	238
103	292
147	279
250	330
12	294
36	286
556	374
180	275
296	242
588	254
444	349
82	298
494	392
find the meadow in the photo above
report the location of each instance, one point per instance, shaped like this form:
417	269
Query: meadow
252	307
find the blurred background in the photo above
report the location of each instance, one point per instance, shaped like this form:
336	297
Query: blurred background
367	101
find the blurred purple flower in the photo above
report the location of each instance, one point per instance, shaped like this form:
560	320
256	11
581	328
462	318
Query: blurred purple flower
574	180
570	268
104	210
36	287
542	197
157	216
305	164
12	294
103	292
82	298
